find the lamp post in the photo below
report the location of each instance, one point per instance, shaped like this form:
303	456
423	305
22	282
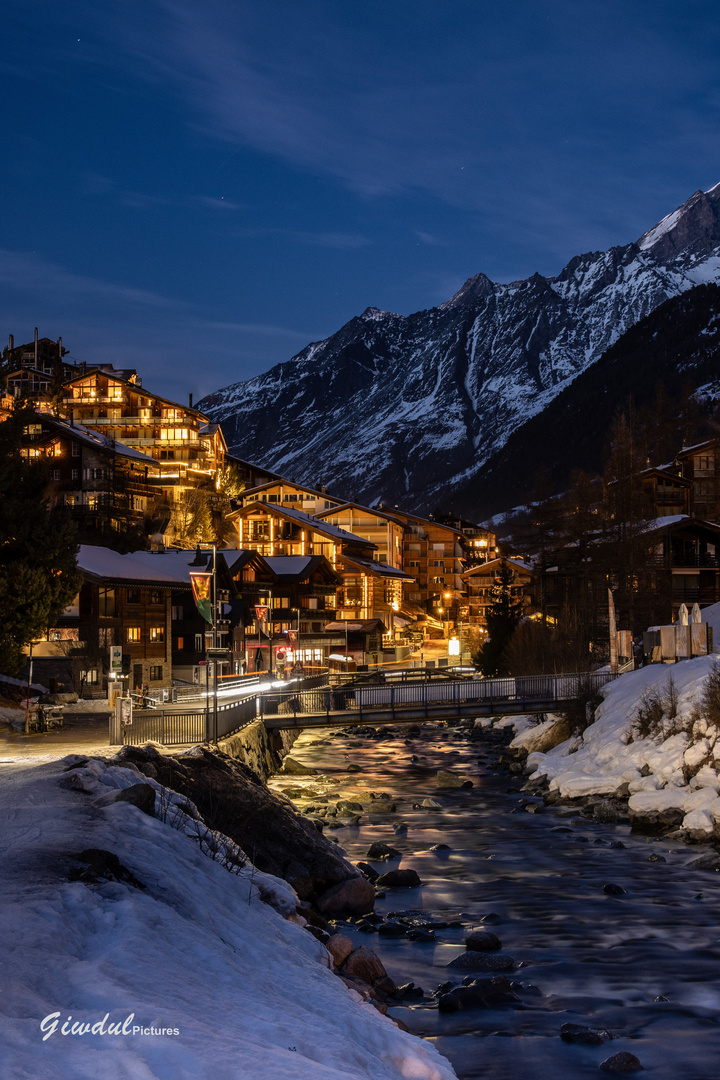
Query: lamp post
27	695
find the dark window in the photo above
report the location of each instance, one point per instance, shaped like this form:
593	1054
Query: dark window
133	596
156	597
156	673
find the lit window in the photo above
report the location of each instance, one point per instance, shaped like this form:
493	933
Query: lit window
156	673
133	633
157	633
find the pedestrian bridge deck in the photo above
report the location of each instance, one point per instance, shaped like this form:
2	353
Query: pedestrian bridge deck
410	702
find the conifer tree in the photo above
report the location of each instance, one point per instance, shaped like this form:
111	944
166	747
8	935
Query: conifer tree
38	573
502	616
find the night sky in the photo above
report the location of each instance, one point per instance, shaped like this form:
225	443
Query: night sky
199	188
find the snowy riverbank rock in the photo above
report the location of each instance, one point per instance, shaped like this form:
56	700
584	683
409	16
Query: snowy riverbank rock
277	839
669	775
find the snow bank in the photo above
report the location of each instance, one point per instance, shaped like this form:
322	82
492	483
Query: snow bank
240	992
649	770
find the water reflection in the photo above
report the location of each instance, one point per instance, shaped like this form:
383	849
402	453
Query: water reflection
598	959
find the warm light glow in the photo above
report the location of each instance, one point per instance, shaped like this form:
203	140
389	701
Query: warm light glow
454	646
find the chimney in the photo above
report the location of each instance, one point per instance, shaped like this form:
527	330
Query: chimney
190	401
11	342
72	418
36	347
60	349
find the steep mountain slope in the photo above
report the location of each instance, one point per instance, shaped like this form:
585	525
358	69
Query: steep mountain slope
677	348
411	408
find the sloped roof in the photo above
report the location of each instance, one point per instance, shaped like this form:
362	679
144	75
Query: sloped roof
378	569
97	439
307	520
482	568
167	568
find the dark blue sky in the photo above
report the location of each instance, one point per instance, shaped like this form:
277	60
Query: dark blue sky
201	187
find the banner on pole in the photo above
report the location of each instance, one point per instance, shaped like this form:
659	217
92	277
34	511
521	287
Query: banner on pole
201	587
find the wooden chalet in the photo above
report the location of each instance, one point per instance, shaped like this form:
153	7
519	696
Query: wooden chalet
105	485
370	589
482	579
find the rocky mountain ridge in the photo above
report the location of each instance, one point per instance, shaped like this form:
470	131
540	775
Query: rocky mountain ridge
410	409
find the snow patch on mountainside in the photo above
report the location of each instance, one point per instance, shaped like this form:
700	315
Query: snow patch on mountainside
392	403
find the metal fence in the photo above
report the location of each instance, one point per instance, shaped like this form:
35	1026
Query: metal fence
169	729
529	692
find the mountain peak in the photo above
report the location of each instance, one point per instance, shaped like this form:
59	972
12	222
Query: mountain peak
475	288
693	228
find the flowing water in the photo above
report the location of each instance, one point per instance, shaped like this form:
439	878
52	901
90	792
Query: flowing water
581	955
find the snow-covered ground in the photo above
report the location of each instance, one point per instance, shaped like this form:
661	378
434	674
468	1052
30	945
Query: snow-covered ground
657	768
207	956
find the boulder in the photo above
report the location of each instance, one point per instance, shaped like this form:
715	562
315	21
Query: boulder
291	767
431	804
339	948
367	871
399	879
585	1036
354	896
140	795
652	822
233	800
379	851
610	811
481	993
445	779
624	1062
364	964
483	941
478	961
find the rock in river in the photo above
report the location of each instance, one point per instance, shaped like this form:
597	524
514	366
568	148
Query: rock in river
400	879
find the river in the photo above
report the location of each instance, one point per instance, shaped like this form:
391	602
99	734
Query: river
582	956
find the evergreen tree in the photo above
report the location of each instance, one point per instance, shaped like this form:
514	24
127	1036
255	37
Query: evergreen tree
502	616
38	574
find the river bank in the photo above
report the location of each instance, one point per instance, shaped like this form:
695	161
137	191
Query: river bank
139	943
604	928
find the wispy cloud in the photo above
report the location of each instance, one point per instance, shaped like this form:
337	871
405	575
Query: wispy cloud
485	111
260	329
31	274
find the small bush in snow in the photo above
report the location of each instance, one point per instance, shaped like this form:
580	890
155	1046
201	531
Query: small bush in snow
710	701
647	723
182	816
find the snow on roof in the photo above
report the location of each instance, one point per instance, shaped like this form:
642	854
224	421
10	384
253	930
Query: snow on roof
162	568
382	569
96	438
664	522
288	564
482	568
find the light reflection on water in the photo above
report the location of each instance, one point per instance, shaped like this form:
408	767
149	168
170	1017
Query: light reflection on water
599	960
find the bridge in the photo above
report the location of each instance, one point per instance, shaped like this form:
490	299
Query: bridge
426	700
405	701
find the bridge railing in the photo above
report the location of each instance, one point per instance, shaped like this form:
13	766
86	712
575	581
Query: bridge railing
527	691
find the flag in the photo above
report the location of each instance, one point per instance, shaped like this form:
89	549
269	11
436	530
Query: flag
261	614
201	591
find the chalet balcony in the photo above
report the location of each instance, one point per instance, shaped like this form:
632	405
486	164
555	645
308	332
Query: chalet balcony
316	590
685	561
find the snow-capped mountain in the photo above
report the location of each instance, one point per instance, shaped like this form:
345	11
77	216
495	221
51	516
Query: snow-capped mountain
410	408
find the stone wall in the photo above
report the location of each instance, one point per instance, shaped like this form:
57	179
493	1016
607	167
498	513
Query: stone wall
261	750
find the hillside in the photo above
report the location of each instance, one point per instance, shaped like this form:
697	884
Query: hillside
412	408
